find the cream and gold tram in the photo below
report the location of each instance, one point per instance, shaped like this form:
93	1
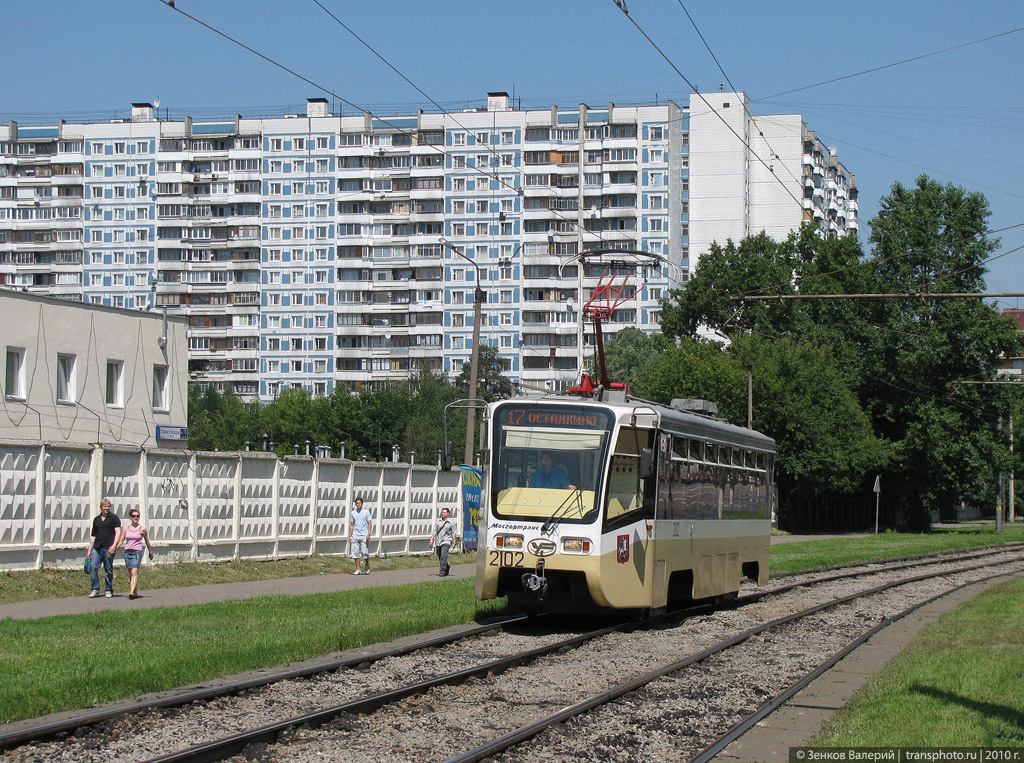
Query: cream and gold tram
621	505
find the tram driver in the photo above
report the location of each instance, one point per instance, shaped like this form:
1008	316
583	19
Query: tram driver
548	475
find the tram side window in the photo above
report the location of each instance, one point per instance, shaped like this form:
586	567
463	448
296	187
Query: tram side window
628	497
750	486
687	486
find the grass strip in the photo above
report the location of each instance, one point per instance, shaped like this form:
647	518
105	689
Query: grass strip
61	663
958	684
806	555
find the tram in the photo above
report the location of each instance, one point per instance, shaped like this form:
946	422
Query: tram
617	503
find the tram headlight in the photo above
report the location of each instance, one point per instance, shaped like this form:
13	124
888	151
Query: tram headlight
576	545
508	541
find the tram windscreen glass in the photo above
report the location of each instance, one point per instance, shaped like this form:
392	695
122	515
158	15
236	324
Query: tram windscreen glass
548	460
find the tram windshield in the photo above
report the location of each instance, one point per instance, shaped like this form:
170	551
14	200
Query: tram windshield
547	460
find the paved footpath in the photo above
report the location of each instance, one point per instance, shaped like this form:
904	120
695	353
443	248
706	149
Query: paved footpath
203	594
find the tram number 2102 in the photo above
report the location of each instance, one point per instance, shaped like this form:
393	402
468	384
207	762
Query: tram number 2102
505	558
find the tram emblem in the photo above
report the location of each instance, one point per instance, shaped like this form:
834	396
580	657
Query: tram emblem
622	549
541	547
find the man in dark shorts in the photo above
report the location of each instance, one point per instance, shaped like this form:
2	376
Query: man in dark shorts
106	530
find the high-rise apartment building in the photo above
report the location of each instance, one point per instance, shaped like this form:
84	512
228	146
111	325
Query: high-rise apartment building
318	249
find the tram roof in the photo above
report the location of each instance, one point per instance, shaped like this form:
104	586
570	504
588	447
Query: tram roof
672	419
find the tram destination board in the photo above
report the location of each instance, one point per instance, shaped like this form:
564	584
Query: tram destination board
531	416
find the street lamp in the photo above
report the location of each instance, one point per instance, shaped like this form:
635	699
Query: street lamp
474	363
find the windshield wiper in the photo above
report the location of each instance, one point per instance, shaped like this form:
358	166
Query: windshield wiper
562	511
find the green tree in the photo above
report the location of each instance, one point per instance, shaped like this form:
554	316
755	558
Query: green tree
221	421
824	439
424	432
933	238
492	384
629	352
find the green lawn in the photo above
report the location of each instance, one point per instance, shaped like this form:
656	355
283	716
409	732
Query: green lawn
959	684
74	661
805	555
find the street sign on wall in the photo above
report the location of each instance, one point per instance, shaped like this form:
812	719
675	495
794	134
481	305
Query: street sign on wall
171	433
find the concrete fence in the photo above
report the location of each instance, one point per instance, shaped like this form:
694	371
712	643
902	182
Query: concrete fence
211	506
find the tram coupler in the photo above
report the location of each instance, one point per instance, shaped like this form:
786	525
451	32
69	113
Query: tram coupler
535	582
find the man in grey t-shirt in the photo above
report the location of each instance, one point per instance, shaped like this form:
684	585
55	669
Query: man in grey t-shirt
360	528
442	539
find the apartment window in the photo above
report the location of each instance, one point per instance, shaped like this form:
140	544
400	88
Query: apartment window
321	143
160	388
459	139
65	378
14	378
297	366
657	133
115	383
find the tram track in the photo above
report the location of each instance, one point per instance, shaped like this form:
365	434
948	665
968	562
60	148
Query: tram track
356	707
705	750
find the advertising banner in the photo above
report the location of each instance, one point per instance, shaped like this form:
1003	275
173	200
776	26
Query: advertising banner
471	480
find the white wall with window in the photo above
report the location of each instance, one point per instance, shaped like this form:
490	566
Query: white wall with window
82	373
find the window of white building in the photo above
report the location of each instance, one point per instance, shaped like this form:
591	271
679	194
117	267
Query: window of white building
159	388
14	376
65	378
115	383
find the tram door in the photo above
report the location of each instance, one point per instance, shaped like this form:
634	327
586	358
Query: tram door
627	561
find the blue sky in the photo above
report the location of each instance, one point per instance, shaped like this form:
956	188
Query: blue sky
956	116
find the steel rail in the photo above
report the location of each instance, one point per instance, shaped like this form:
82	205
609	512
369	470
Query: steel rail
49	730
219	749
532	729
768	707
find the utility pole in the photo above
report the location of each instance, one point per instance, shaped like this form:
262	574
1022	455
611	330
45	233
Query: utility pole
479	295
1013	511
999	494
750	395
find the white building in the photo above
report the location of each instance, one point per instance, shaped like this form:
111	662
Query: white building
306	250
774	179
82	373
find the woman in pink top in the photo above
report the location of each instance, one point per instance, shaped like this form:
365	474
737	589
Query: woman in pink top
132	538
